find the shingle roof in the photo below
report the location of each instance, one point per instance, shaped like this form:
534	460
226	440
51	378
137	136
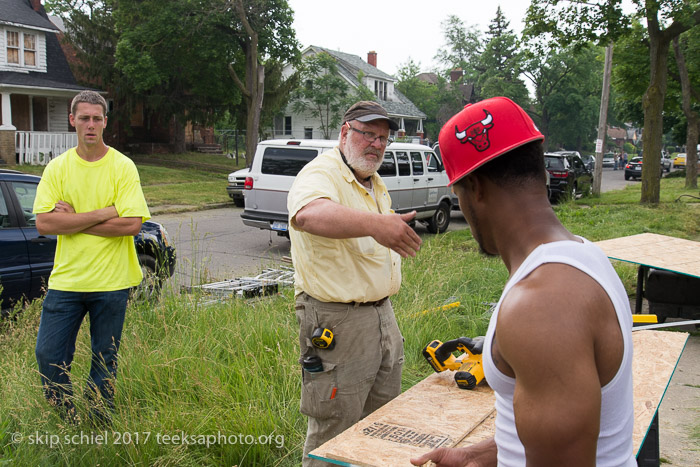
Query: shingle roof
21	12
349	65
58	74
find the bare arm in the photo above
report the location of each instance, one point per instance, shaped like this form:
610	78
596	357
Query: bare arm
63	220
116	227
326	218
483	454
547	338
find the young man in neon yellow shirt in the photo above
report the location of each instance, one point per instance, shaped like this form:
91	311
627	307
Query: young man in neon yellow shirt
90	197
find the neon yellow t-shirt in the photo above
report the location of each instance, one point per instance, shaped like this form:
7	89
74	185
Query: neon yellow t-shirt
89	263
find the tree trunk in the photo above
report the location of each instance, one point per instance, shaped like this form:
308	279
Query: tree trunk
691	142
602	122
256	79
653	105
177	136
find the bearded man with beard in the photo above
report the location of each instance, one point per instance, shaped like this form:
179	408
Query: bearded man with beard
347	246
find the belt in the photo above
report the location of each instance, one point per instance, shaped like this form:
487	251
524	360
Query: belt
377	303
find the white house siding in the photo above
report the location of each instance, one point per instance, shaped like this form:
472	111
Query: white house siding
40	50
305	120
58	114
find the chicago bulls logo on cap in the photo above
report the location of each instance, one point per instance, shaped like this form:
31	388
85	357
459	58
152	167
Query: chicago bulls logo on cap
491	127
477	133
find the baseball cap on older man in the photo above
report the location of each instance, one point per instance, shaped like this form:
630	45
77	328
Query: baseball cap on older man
368	111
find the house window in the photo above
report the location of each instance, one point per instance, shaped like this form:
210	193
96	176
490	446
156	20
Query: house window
288	125
380	89
308	133
29	50
21	48
13	47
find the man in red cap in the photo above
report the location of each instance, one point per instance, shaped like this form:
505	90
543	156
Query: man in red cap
558	350
347	246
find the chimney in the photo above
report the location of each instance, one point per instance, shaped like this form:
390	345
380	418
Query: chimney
456	75
36	4
372	58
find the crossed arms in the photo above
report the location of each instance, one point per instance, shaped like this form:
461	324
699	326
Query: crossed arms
105	222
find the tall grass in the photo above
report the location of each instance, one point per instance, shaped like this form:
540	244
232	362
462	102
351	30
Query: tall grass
229	370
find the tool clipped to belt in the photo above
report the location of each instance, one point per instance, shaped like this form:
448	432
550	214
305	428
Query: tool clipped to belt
469	371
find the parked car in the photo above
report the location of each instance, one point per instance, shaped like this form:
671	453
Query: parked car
609	159
413	174
589	161
569	176
455	200
236	182
633	169
679	160
666	162
26	257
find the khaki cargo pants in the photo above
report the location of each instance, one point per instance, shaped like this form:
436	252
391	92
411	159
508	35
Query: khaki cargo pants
360	374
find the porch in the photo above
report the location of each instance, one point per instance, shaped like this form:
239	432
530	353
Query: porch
39	147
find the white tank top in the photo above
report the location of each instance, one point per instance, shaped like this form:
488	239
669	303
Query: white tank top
616	411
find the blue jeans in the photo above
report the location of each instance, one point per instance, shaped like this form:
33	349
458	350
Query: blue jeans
61	317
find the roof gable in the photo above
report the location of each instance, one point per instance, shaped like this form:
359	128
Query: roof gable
21	13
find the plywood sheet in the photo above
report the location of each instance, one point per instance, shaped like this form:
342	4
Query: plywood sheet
435	413
656	355
660	251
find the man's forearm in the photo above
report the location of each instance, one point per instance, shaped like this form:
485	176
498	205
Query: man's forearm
329	219
117	227
65	223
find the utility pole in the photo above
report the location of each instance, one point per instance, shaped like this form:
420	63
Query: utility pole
602	122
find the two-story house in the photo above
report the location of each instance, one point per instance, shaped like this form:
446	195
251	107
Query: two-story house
36	85
398	106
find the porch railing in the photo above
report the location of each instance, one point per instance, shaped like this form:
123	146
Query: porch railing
39	147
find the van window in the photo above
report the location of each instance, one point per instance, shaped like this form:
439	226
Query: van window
286	161
433	163
417	163
388	167
404	163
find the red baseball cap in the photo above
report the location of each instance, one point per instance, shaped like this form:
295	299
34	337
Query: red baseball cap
481	132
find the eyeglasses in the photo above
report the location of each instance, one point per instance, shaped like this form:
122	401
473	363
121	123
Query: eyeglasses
369	136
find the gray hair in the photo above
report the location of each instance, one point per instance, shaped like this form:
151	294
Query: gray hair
88	97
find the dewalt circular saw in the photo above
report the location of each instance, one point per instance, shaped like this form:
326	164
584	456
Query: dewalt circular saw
469	370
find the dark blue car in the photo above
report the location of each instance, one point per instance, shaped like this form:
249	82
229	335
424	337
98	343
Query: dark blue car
26	257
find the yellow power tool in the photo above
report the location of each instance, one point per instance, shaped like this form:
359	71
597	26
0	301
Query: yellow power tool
469	371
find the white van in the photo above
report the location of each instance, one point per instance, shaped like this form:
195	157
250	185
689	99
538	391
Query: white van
413	174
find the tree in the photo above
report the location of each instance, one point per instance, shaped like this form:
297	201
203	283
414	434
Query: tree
263	30
501	63
566	84
462	49
691	179
438	101
323	91
579	22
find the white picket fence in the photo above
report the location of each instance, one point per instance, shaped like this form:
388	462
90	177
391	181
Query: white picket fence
38	147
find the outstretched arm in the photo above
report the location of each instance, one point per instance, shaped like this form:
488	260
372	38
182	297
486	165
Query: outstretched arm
326	218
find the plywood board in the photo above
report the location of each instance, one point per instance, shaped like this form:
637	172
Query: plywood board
654	250
435	413
656	354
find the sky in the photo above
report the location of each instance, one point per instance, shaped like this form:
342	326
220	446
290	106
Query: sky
397	30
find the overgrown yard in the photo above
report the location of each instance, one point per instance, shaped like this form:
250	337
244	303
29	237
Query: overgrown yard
227	374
